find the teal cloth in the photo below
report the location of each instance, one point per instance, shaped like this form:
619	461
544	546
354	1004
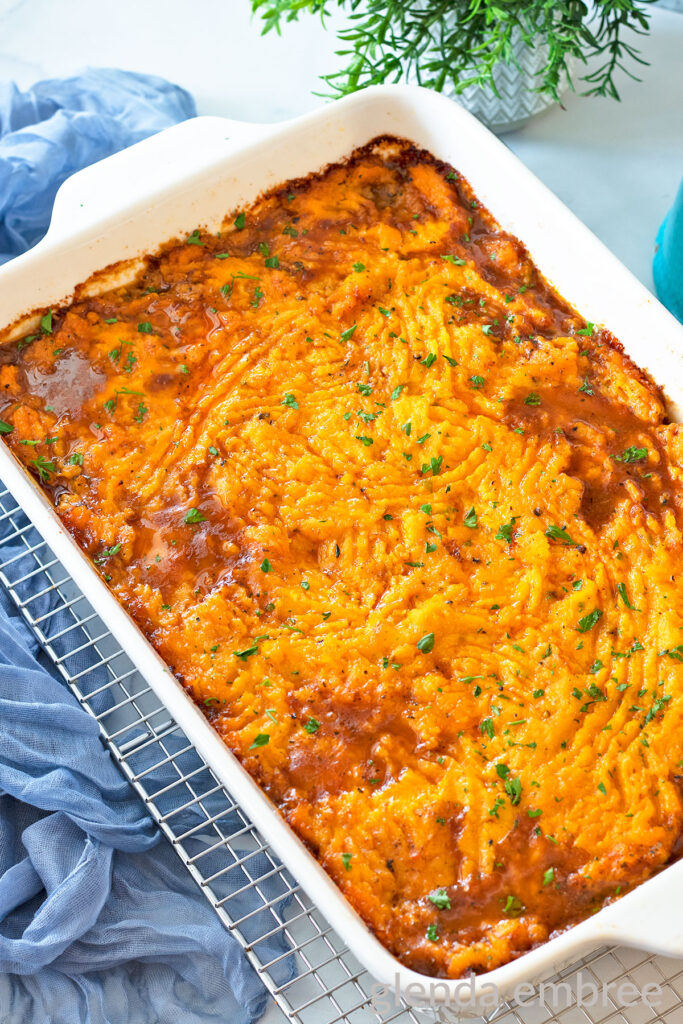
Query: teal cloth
667	266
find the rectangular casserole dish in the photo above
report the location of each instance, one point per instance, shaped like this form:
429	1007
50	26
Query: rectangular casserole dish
193	174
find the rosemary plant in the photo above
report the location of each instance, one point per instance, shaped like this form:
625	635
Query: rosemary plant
450	44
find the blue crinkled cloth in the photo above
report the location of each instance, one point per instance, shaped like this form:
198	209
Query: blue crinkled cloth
99	923
60	125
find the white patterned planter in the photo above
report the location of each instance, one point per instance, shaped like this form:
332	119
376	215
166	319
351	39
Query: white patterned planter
515	82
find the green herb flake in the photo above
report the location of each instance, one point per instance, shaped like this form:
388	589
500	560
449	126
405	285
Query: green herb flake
471	518
262	740
560	534
505	531
440	899
632	454
587	622
426	643
44	466
194	516
621	590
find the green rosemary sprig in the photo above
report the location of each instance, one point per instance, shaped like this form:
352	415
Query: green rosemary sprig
455	43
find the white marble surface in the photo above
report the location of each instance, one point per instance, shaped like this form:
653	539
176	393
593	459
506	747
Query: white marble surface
617	166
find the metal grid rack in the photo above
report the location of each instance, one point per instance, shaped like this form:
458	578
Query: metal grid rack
310	974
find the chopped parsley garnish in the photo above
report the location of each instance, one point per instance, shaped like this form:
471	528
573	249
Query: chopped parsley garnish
290	401
533	398
588	621
440	899
396	393
359	267
513	788
559	533
348	333
455	260
44	467
261	740
5	428
247	653
433	466
632	454
432	933
513	907
265	565
367	441
145	327
194	238
426	644
587	331
346	860
194	516
46	323
505	531
311	726
240	221
477	382
471	518
107	553
486	728
621	591
429	359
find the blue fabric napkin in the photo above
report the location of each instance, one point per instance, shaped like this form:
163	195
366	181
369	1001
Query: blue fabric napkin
58	126
99	922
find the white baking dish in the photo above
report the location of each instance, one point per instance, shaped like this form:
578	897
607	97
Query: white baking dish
192	175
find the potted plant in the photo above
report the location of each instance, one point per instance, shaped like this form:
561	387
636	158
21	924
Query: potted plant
505	60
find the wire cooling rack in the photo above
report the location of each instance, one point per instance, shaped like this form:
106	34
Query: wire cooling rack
310	974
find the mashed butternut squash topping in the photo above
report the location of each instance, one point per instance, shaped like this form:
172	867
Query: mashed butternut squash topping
408	530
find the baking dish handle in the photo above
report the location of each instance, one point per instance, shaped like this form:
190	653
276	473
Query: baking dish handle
650	917
147	168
